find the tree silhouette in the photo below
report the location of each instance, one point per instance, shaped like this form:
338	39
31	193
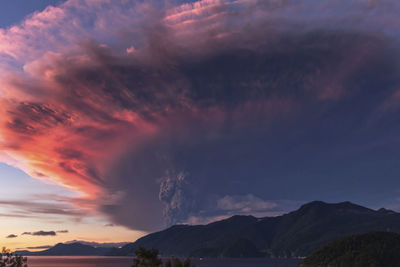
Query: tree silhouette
149	258
178	263
188	263
8	259
146	258
168	263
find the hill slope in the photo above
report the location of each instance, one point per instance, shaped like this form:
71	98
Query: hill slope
297	233
370	249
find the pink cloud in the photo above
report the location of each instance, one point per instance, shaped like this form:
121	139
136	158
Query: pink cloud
86	82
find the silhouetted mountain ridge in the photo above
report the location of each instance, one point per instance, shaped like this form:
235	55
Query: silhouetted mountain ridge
294	234
73	249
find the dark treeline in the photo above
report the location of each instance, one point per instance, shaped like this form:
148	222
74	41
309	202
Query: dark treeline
150	258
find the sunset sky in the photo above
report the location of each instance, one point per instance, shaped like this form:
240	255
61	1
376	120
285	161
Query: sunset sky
121	117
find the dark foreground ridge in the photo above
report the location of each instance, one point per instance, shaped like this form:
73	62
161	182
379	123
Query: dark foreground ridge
295	234
370	249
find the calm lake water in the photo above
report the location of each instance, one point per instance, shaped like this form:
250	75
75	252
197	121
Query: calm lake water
55	261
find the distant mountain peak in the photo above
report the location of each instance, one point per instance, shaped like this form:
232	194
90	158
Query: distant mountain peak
332	206
383	210
315	203
72	249
241	218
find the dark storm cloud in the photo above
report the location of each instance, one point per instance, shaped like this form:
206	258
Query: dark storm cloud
212	108
249	90
40	247
11	236
40	233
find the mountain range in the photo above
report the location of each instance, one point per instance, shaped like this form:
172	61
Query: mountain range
72	249
295	234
